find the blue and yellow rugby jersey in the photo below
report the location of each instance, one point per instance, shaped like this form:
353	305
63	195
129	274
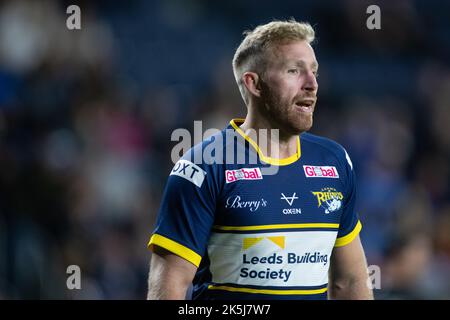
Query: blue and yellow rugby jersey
254	235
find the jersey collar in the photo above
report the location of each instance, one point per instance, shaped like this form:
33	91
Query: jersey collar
235	123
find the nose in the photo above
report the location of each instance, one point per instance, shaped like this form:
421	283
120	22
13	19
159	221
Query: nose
310	83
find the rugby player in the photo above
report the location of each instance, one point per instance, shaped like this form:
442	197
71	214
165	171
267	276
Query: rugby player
238	231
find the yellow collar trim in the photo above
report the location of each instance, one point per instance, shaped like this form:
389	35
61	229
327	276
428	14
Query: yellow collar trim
269	160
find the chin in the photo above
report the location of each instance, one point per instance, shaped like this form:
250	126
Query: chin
303	126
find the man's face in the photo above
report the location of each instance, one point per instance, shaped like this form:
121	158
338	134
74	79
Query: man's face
289	86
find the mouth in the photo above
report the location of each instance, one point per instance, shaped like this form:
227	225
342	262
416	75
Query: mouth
305	105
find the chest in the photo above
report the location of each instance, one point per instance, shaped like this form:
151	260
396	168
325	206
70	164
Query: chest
292	195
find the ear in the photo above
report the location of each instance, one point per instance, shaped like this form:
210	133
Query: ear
252	83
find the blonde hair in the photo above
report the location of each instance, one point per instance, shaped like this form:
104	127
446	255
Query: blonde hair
250	55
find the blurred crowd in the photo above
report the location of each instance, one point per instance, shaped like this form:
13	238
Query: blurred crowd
86	118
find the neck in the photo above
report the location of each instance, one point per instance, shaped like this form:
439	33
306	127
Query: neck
276	143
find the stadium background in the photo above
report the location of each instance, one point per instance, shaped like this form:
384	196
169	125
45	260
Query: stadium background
86	118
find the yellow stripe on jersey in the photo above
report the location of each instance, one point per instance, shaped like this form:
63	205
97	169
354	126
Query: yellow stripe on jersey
269	160
278	226
343	241
175	247
267	291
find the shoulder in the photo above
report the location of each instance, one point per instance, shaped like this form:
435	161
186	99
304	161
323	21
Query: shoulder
209	152
203	162
325	146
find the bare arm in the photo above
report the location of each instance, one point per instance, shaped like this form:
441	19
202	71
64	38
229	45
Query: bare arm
170	276
348	273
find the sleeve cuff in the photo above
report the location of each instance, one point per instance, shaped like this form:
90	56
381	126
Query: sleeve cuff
176	248
345	240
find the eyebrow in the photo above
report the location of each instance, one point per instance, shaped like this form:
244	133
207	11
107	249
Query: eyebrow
302	63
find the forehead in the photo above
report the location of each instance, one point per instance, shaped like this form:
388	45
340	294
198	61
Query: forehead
292	52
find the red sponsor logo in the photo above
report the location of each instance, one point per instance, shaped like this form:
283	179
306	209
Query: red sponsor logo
243	174
321	172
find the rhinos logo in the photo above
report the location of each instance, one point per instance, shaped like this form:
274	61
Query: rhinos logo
329	199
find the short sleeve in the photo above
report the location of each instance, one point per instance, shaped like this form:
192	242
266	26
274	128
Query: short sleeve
350	225
186	213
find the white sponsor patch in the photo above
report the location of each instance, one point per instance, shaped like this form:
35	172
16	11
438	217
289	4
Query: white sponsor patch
282	259
243	174
321	172
189	171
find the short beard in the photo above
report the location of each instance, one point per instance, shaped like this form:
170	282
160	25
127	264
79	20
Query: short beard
278	111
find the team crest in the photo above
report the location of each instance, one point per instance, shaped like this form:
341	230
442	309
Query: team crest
329	199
